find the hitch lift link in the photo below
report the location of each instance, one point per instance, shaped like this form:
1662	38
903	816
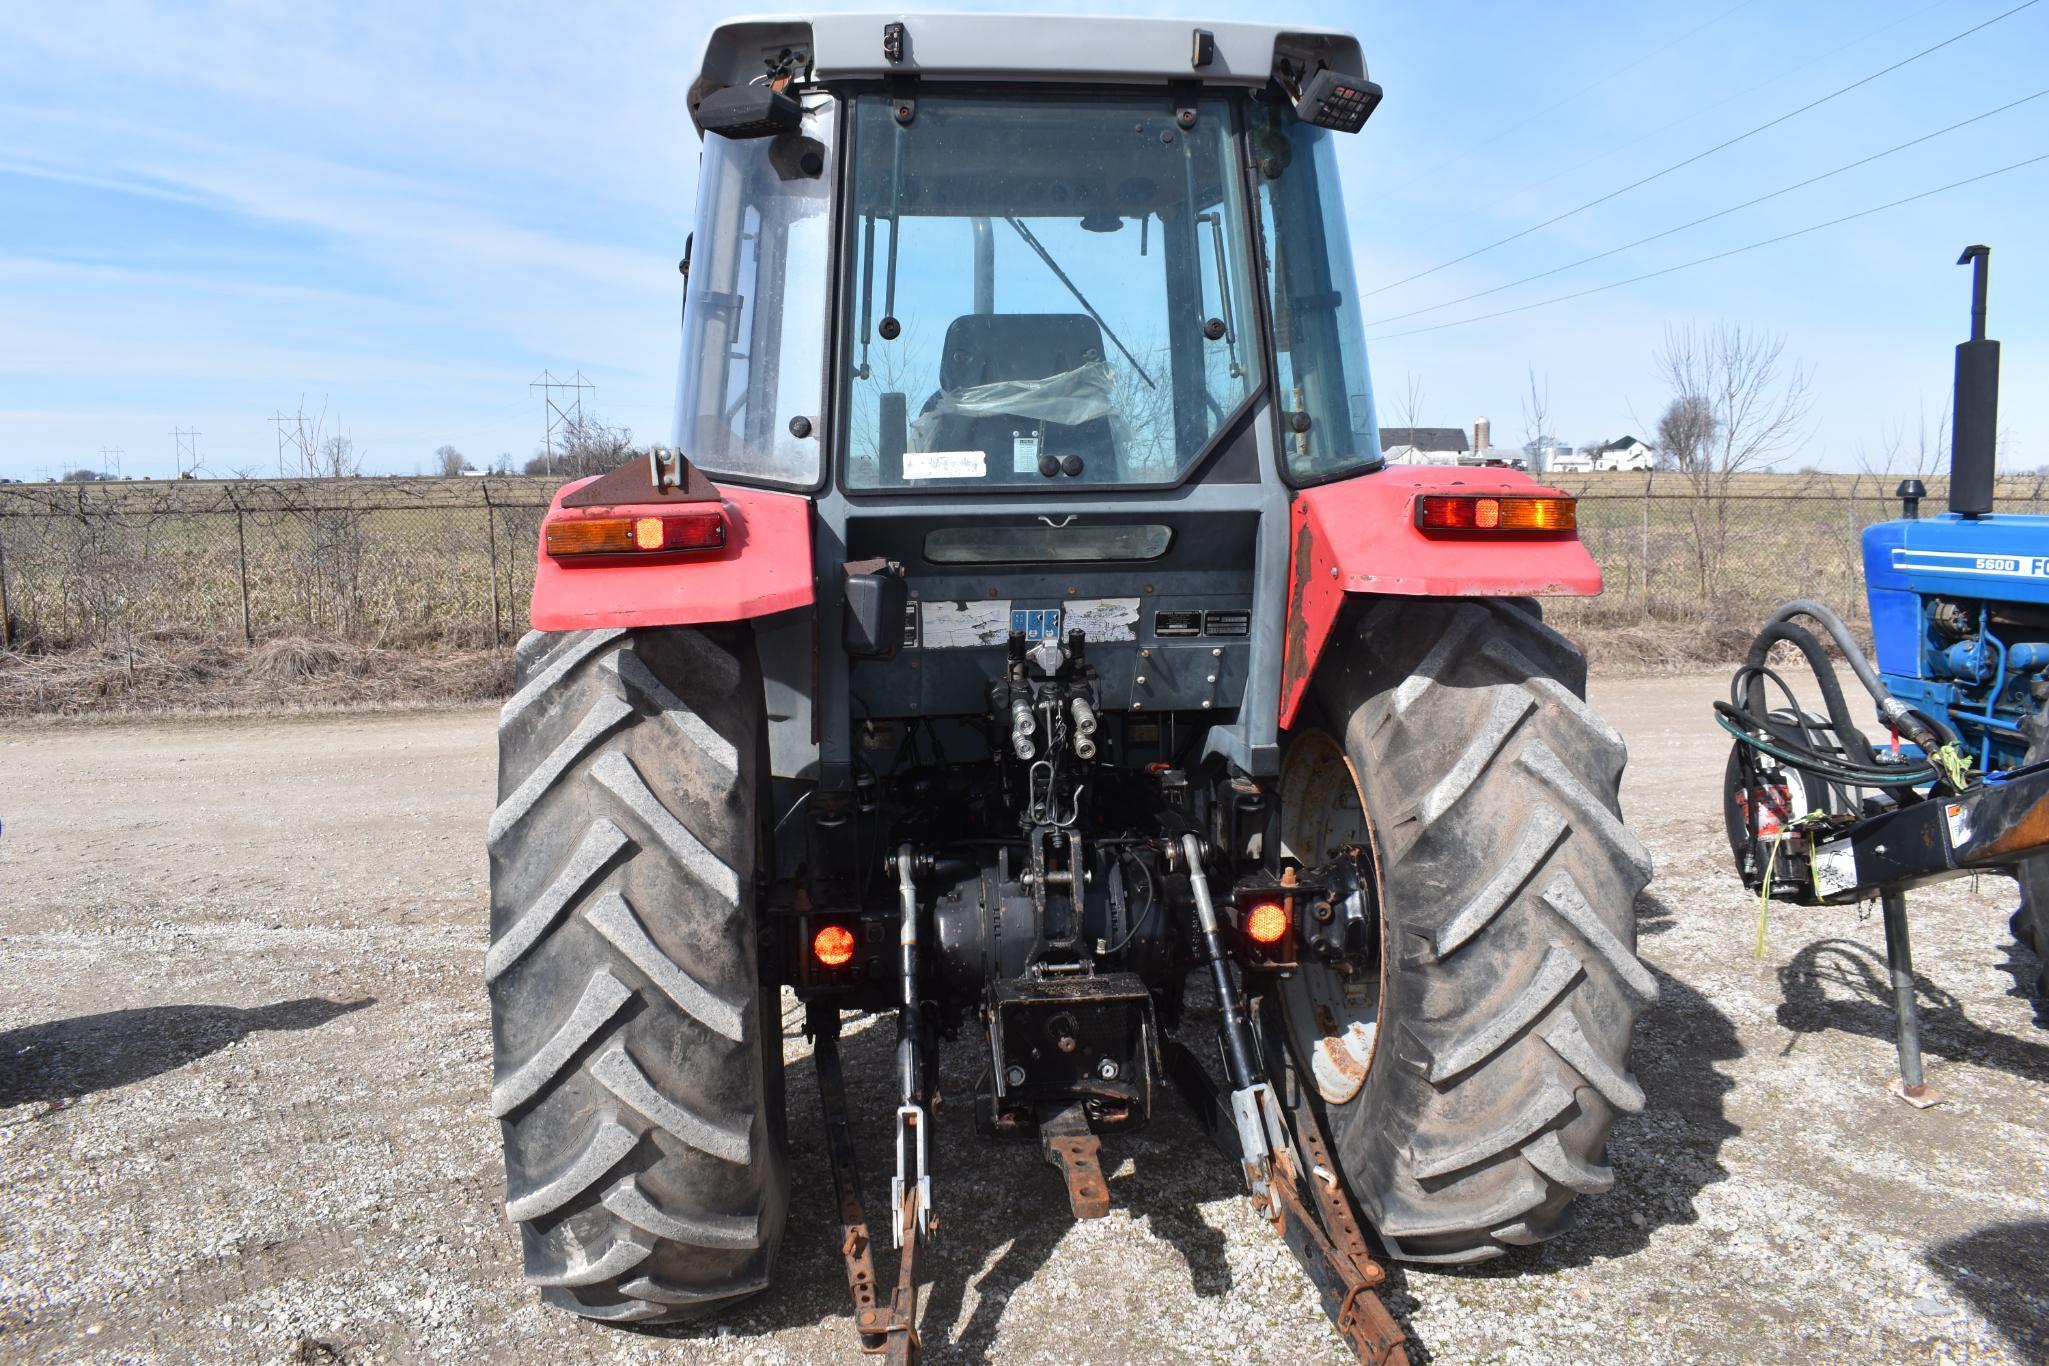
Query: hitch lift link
1250	1127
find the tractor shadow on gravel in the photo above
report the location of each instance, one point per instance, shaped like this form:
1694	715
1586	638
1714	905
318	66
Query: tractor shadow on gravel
1003	1213
1842	985
1004	1216
2001	1269
61	1060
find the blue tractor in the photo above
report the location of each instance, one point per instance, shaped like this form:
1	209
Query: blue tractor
1820	814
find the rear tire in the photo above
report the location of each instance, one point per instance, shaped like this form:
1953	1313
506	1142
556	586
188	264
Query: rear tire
1494	1048
638	1074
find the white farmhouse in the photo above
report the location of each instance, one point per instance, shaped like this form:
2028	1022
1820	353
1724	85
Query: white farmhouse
1624	453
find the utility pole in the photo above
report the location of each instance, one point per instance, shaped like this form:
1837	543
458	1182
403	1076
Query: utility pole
558	413
187	458
110	461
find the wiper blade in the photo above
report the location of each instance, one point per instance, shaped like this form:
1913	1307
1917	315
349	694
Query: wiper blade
1080	298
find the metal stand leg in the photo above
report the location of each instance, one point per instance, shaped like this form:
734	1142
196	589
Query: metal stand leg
1899	956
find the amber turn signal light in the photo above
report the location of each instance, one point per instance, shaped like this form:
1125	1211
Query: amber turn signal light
1266	923
635	535
833	946
1498	513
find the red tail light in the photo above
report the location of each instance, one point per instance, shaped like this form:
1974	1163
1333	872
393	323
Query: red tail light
668	533
1500	514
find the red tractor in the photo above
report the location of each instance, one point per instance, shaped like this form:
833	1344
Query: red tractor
1023	625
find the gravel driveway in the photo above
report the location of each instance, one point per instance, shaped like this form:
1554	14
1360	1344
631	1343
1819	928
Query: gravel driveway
244	1058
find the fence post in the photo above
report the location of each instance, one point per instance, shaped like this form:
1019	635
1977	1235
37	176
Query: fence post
6	622
491	536
242	564
1643	592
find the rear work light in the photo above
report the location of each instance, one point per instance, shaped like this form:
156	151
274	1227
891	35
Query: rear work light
671	532
1498	514
1266	923
833	946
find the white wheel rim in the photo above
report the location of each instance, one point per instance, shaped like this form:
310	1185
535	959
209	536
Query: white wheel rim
1333	1021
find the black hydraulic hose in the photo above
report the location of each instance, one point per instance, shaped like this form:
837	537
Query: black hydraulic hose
1812	735
1733	721
1891	708
1750	680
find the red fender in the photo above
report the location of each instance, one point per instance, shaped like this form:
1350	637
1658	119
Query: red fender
1360	536
764	567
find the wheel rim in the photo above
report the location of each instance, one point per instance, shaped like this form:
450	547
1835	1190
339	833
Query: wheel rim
1332	1018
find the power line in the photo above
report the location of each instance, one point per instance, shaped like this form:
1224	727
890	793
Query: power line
1718	256
1719	213
1734	95
1527	120
1720	146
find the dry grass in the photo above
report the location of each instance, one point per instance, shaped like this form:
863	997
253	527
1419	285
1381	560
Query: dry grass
1651	648
171	673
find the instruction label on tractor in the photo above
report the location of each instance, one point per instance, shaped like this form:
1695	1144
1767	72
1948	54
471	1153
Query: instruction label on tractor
1037	623
945	464
1103	619
1957	817
1024	454
1835	869
965	625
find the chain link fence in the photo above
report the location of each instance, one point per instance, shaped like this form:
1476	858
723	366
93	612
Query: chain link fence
434	563
404	563
1684	559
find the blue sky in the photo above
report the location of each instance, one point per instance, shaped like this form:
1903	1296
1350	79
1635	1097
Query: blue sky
405	214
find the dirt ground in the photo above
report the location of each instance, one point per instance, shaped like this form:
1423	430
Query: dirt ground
244	1059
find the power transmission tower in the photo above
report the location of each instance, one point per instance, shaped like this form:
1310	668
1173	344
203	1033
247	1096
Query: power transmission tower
558	413
291	434
110	461
187	458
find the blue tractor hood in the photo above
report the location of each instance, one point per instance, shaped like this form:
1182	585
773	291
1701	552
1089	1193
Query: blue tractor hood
1998	558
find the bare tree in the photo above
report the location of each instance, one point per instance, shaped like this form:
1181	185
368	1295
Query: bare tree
584	445
449	461
1536	410
1904	454
1756	401
337	458
1685	430
1409	406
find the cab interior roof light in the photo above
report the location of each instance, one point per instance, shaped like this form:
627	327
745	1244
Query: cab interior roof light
1503	514
667	533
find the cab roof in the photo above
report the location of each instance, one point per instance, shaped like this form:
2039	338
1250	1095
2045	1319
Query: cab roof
1020	47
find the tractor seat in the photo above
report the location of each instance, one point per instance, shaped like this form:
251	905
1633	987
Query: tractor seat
990	348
